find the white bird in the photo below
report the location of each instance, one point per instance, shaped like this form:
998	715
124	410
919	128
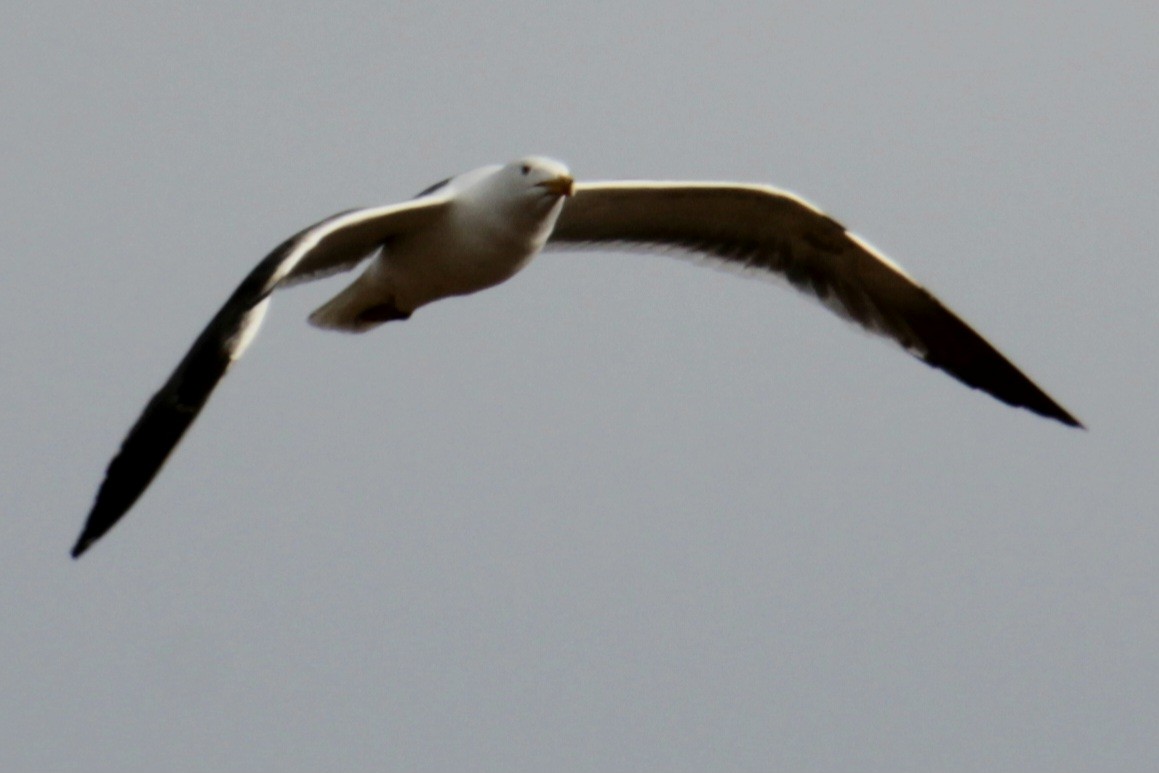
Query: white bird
476	230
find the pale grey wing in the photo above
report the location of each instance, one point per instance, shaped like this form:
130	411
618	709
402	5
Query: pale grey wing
336	243
764	229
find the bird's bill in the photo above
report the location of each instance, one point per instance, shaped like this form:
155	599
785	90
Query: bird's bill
563	185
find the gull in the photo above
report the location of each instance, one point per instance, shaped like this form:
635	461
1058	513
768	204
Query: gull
478	229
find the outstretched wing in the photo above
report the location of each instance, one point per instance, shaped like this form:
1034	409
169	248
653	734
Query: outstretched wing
761	228
337	243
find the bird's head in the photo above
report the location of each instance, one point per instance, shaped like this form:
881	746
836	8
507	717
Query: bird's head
540	177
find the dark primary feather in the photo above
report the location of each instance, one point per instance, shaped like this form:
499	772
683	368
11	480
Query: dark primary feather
337	243
427	191
170	412
761	228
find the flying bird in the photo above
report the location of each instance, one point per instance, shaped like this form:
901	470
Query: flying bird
478	229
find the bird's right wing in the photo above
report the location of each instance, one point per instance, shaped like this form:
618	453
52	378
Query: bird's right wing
337	243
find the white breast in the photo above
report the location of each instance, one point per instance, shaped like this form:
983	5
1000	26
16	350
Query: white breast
487	238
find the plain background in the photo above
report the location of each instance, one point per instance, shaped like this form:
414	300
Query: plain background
623	512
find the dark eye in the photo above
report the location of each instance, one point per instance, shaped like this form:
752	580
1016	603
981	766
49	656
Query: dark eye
526	169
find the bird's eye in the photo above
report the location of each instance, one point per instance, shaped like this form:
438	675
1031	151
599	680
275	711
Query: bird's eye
526	169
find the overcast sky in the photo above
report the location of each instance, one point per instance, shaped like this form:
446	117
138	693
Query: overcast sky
623	512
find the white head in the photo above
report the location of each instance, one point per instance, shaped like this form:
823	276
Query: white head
541	176
530	188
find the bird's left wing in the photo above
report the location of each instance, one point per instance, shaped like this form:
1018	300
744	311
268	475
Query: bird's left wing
337	243
759	228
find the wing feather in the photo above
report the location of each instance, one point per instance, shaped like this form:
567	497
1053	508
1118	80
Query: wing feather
761	228
337	243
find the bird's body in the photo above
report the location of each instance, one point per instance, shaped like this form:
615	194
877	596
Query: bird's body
472	244
479	229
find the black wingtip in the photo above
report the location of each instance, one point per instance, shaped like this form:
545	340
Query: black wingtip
1043	405
81	546
93	530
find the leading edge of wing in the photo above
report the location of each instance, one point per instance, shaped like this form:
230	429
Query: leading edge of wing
337	243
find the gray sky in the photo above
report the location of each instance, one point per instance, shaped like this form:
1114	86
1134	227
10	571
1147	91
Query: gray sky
623	512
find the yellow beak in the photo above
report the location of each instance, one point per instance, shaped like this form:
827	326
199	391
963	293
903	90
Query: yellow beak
563	185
